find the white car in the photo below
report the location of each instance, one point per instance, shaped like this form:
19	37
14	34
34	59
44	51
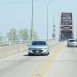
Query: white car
71	43
38	48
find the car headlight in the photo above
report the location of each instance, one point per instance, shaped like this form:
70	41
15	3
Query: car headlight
45	48
30	50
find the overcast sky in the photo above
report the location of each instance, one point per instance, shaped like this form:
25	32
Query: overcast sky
17	14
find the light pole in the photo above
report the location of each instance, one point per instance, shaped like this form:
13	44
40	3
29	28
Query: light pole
48	16
76	31
53	35
32	23
47	22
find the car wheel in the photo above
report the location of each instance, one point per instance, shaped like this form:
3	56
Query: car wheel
67	45
29	54
48	53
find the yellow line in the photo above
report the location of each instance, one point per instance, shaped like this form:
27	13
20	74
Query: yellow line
51	62
43	65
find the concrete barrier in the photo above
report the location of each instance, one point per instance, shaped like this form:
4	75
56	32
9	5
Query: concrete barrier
10	50
6	51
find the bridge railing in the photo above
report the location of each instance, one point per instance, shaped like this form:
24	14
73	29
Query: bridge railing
15	42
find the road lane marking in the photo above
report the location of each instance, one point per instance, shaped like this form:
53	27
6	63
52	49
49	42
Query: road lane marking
47	62
43	73
42	67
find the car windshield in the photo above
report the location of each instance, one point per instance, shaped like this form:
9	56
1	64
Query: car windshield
38	43
72	40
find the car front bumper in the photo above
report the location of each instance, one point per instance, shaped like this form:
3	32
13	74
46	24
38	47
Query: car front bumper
72	45
38	52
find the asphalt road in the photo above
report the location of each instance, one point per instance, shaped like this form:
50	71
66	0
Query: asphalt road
61	62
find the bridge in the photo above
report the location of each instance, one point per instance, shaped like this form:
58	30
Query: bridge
48	19
66	26
15	62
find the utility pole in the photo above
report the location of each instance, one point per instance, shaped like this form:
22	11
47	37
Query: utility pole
53	35
47	22
76	31
48	15
32	23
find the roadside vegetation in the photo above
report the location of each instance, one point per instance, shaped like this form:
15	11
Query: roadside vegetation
22	34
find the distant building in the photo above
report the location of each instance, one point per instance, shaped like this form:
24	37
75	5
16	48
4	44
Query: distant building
66	26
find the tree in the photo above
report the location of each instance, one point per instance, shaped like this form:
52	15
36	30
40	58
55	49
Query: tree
1	37
12	35
23	34
35	35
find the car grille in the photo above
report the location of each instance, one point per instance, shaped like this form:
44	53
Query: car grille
37	50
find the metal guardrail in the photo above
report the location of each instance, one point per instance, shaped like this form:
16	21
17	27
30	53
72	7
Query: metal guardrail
15	42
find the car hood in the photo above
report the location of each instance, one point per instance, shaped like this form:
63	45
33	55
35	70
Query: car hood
38	46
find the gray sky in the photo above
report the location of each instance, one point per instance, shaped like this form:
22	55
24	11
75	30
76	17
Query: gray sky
17	14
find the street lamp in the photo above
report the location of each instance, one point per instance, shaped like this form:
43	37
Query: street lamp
76	31
47	16
32	23
53	35
32	20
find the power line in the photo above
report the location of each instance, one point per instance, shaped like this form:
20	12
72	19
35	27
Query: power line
15	2
19	2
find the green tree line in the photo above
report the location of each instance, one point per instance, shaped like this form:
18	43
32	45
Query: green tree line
22	34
